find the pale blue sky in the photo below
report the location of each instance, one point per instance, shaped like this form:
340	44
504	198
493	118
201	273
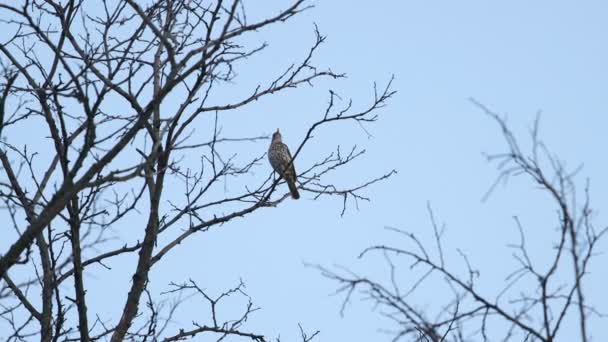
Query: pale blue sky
517	57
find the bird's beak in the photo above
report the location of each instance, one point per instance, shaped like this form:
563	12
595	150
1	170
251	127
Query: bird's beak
277	130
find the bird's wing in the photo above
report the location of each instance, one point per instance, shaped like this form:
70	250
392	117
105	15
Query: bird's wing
292	169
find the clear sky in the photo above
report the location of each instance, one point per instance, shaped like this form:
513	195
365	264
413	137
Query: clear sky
517	57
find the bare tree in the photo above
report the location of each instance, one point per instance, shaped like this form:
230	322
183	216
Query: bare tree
107	95
543	299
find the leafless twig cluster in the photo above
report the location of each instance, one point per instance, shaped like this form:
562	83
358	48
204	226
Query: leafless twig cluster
541	301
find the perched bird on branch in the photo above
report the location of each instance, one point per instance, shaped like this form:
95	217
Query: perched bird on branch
280	159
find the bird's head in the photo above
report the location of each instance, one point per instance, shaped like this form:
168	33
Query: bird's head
276	136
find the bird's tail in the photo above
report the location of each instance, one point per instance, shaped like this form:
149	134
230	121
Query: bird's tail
293	189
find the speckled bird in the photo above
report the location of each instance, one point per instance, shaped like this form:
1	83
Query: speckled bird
279	157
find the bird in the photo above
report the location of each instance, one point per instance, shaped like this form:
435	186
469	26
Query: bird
280	160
